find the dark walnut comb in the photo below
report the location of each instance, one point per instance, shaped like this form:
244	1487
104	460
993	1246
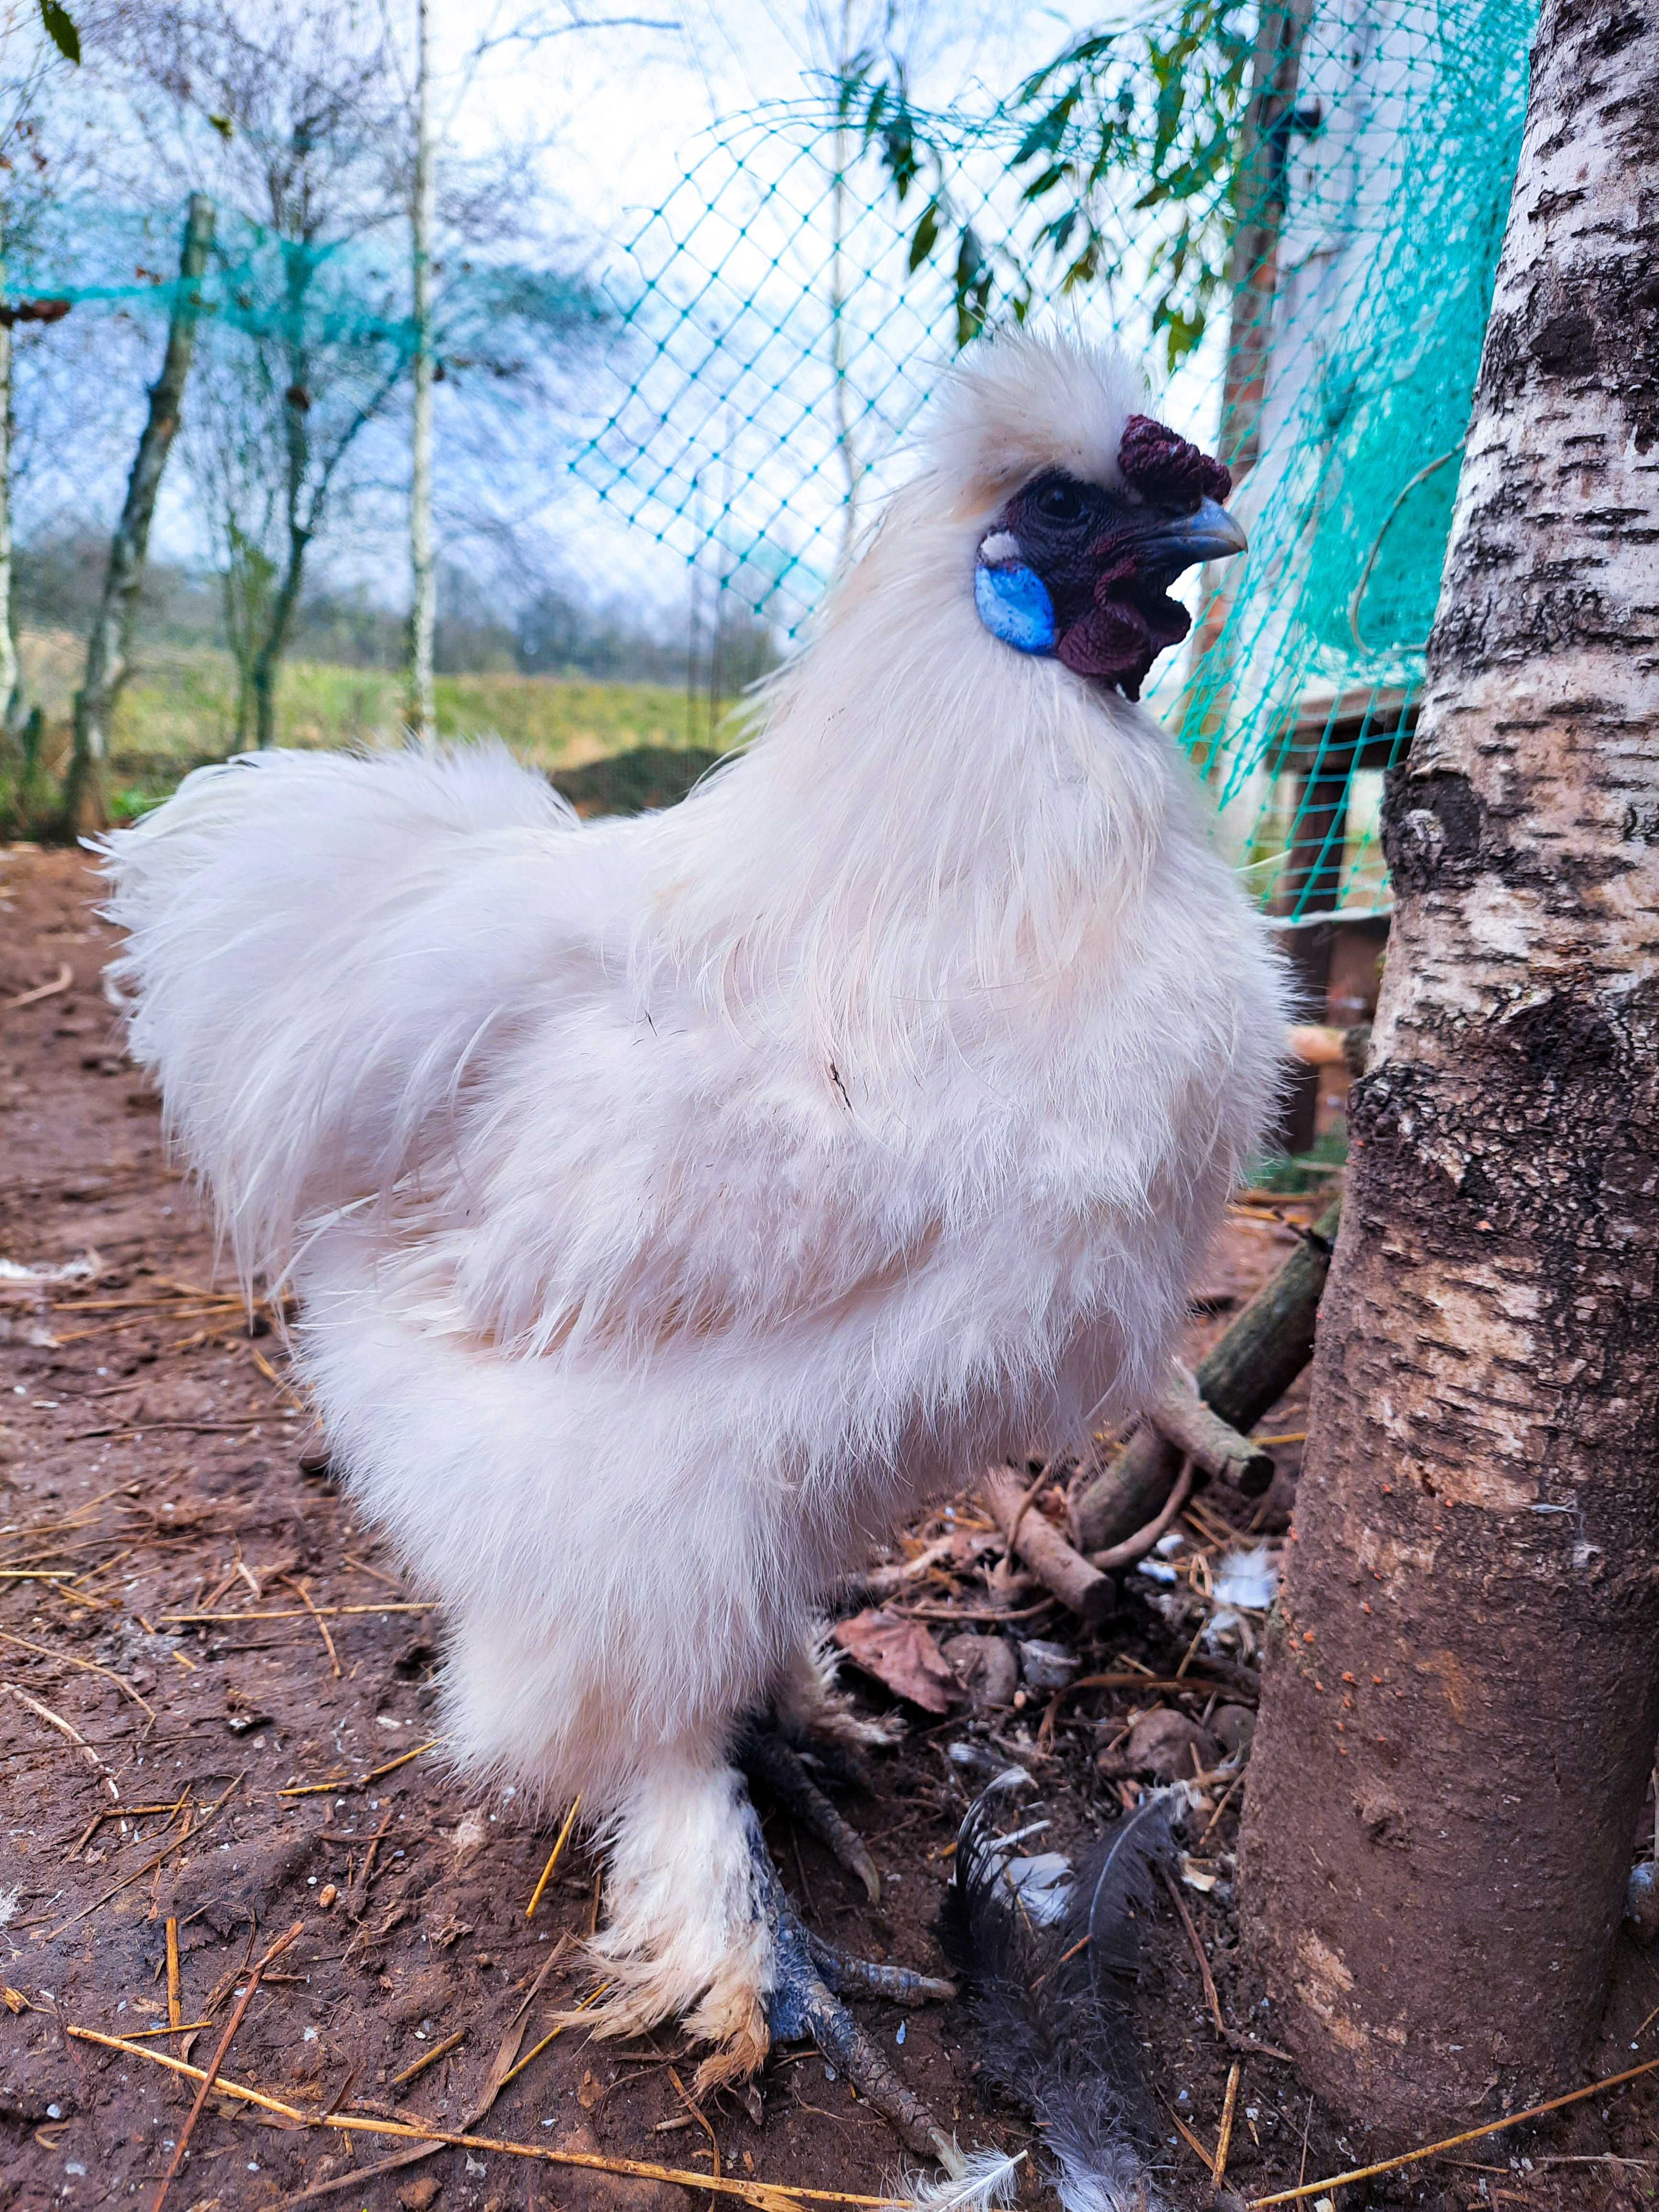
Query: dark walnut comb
1165	467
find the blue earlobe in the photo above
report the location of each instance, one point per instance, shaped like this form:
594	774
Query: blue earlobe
1014	605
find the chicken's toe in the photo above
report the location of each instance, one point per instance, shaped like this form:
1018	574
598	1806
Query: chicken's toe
802	2007
766	1758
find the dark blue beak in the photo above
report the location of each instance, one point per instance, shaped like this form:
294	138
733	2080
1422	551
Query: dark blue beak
1181	541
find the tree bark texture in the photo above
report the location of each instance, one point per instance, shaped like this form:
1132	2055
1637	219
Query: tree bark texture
1463	1679
109	648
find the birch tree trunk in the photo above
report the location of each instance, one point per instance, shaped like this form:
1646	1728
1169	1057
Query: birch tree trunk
8	671
109	647
1463	1685
423	609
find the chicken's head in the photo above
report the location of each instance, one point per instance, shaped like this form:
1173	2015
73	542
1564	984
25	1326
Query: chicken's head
1081	570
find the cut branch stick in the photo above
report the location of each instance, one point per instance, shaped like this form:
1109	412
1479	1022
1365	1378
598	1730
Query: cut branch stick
1042	1547
1181	1419
1240	1379
1317	1044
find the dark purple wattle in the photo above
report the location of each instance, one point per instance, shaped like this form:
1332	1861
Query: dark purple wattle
1132	621
1164	466
1123	635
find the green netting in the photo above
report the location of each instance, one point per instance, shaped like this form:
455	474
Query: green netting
772	329
784	322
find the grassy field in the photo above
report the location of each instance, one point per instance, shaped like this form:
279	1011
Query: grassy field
179	710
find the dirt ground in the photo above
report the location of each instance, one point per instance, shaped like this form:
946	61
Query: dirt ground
196	1630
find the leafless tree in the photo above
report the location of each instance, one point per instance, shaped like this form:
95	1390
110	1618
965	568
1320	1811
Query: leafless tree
290	118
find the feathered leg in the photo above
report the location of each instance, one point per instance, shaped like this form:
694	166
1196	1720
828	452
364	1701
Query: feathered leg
699	1927
688	1930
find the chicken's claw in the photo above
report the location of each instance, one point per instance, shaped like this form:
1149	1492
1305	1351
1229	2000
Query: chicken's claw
898	1985
802	2007
766	1758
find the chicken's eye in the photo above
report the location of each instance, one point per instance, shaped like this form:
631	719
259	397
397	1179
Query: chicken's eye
1061	503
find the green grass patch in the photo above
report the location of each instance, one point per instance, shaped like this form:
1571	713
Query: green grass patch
614	747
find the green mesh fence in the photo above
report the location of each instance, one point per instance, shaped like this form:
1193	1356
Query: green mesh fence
783	324
764	338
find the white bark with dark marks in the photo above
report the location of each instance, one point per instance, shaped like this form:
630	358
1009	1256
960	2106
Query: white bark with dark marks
1461	1706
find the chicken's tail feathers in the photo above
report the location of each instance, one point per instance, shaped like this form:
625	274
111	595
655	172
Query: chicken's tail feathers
313	940
1057	2022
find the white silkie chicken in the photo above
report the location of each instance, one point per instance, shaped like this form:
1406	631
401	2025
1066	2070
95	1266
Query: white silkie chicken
677	1203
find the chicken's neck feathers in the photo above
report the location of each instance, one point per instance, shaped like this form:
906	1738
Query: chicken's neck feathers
926	833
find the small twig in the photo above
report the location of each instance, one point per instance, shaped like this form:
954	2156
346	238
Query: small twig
1198	1850
565	2019
174	2013
218	2060
60	982
286	1613
1208	2156
702	2119
165	1851
1194	1938
1225	2141
1453	2143
765	2196
65	1728
356	1781
948	1613
86	1665
427	2057
553	1856
359	1896
304	1596
1144	1540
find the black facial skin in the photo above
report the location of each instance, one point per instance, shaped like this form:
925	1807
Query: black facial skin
1108	559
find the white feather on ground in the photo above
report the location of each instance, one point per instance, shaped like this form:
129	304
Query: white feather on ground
677	1203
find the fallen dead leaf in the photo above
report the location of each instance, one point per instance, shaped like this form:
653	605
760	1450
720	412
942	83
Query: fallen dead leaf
902	1656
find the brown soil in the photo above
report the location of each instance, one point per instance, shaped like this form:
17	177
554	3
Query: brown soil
151	1465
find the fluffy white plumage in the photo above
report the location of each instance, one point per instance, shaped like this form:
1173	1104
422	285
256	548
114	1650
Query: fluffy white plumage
677	1202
